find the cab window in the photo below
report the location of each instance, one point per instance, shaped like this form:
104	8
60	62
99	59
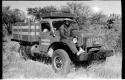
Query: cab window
57	24
45	27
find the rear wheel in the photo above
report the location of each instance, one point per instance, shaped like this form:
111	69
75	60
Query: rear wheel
22	52
61	62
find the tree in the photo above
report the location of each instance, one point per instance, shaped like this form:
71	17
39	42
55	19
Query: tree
38	11
81	11
114	30
49	8
99	18
10	17
34	11
6	17
65	9
113	18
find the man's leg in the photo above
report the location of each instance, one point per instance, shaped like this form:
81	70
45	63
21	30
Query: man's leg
80	51
71	45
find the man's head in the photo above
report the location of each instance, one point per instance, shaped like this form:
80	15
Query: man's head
67	23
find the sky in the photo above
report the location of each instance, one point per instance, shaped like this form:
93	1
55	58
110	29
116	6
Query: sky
107	7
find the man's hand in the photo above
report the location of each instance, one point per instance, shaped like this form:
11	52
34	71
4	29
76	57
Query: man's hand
52	34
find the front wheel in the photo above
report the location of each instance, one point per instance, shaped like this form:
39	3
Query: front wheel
61	62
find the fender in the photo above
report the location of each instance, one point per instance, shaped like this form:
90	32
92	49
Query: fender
61	45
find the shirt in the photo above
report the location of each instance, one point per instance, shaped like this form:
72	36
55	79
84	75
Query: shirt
65	32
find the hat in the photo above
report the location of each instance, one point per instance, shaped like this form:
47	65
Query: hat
66	19
69	20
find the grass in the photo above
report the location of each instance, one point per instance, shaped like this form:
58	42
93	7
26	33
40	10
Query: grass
16	67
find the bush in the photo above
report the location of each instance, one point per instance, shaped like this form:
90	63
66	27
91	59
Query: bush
112	38
10	55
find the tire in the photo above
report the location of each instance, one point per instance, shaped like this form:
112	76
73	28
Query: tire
108	53
22	52
100	56
28	51
64	61
96	56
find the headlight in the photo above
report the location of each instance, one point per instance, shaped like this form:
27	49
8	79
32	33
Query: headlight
75	40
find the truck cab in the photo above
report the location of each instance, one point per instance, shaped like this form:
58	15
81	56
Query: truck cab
49	32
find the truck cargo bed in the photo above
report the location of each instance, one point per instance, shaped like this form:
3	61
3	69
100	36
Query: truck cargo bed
26	32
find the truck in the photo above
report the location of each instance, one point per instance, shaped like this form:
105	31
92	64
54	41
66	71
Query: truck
41	40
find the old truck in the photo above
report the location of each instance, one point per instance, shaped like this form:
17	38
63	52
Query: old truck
41	40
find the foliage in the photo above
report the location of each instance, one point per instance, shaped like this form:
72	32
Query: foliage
81	11
98	18
10	17
37	11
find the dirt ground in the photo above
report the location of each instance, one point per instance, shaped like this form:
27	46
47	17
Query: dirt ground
15	67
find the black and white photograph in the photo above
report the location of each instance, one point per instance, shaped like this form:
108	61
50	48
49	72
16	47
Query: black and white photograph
62	39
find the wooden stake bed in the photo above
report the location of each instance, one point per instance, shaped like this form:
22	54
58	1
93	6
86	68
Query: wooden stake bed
26	32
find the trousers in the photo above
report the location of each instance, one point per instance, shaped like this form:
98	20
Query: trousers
71	45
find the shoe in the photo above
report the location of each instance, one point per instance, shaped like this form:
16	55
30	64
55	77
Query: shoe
83	57
80	51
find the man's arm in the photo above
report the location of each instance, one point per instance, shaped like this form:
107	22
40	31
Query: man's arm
52	32
61	29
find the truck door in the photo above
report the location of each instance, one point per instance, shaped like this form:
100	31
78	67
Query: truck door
45	37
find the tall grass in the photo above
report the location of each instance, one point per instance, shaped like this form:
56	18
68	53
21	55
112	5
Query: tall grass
10	54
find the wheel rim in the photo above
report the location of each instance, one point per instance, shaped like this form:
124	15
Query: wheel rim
58	63
22	52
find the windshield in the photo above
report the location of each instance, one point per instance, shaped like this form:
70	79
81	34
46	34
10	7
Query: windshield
57	24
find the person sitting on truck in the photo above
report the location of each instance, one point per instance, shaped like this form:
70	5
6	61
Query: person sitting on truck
65	30
45	30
